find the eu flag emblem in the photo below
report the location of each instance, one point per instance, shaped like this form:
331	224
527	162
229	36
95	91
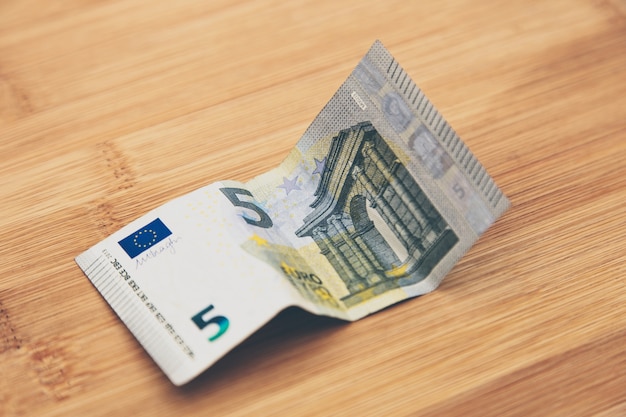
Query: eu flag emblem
144	238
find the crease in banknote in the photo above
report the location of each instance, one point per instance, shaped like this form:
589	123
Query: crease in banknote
376	203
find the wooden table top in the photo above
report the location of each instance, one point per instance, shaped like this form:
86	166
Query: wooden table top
109	109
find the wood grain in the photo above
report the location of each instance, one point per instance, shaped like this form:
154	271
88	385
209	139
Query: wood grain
111	108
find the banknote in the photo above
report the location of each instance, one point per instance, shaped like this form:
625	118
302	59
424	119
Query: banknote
376	202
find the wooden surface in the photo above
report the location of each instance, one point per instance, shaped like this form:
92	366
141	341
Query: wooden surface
110	108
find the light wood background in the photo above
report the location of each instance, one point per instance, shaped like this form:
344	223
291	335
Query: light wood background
110	108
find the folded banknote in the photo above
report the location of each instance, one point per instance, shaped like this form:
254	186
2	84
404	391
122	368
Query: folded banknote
376	203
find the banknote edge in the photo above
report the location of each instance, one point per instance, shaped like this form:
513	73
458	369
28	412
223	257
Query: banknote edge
493	197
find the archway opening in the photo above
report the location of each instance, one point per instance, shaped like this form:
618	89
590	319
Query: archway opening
385	231
385	248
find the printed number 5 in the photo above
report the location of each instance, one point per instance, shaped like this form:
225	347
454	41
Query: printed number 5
201	321
233	195
458	189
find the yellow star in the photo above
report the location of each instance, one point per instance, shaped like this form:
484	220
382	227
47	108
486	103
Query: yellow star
399	271
286	268
259	240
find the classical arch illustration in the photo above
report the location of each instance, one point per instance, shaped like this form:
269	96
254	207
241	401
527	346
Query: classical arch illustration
364	183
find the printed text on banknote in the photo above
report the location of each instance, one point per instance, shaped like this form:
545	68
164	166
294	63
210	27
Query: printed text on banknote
375	203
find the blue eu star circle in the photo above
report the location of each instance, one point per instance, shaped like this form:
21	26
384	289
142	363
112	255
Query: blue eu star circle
149	243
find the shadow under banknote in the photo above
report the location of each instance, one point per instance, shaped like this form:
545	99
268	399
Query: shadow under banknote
292	330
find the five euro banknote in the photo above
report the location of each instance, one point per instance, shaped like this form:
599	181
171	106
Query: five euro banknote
376	203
